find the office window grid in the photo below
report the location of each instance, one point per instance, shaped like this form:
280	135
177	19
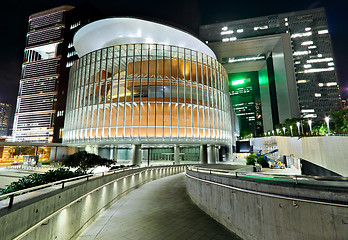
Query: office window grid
147	91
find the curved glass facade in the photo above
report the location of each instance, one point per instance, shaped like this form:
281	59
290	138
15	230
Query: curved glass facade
139	93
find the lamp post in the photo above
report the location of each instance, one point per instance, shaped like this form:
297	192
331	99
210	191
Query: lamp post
327	120
310	125
284	130
291	130
298	128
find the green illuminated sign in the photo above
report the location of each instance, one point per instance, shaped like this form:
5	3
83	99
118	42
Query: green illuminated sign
238	82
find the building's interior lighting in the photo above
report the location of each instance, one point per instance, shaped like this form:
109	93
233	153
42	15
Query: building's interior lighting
331	84
321	84
296	35
317	94
307	66
302	81
323	31
227	32
307	43
330	64
320	60
307	29
260	28
320	55
240	30
312	47
299	53
224	28
307	110
319	70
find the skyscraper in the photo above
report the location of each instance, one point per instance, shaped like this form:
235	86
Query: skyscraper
48	56
310	64
5	112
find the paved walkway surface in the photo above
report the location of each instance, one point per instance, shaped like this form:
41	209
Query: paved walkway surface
159	210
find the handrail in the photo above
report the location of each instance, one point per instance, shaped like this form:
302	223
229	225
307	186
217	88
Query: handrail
87	176
237	173
270	194
16	193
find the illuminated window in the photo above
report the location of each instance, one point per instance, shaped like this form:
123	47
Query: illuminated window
227	32
299	53
320	55
224	28
317	94
307	110
296	35
330	64
319	60
302	81
240	30
319	70
307	66
307	43
323	31
321	84
307	29
312	47
331	84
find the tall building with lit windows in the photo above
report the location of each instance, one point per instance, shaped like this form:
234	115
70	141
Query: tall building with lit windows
290	48
48	56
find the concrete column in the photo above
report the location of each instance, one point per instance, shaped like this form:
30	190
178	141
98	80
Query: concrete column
136	154
114	153
203	154
211	154
176	154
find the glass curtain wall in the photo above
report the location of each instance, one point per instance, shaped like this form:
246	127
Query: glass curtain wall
147	91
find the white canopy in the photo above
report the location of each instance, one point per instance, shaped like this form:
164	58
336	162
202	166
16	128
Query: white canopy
116	31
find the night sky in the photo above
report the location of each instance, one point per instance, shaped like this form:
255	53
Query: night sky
187	13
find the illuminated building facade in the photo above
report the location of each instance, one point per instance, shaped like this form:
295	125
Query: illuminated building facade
139	82
303	55
5	112
48	56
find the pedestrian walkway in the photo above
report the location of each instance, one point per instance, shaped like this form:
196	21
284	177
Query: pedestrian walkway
159	210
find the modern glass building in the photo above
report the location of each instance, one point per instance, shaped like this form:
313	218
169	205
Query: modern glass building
303	55
139	82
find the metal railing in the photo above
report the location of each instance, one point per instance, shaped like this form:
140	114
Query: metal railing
62	182
331	181
272	195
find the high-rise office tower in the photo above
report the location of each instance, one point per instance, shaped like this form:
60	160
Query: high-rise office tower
290	48
48	56
5	112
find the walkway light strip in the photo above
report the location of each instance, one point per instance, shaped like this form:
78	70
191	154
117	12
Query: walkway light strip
268	194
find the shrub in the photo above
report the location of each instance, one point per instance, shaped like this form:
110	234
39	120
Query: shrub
36	179
251	159
84	161
262	161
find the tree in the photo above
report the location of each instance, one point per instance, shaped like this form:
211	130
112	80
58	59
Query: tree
85	161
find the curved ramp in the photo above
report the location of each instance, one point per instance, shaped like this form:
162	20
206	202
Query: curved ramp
160	210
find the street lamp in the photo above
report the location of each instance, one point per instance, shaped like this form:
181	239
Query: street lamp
284	130
277	131
291	130
327	120
298	128
273	132
310	125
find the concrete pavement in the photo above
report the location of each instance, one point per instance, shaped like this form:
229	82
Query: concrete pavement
157	210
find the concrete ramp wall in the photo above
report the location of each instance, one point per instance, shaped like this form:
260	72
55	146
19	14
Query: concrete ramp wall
239	206
55	213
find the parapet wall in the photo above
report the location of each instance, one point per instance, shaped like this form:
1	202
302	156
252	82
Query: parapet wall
55	213
237	204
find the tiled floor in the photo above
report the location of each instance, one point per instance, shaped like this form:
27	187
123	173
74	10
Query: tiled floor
159	210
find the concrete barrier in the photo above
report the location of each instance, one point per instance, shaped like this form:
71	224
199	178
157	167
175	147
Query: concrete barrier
55	213
238	205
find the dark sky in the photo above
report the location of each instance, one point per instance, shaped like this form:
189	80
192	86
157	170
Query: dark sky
188	13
